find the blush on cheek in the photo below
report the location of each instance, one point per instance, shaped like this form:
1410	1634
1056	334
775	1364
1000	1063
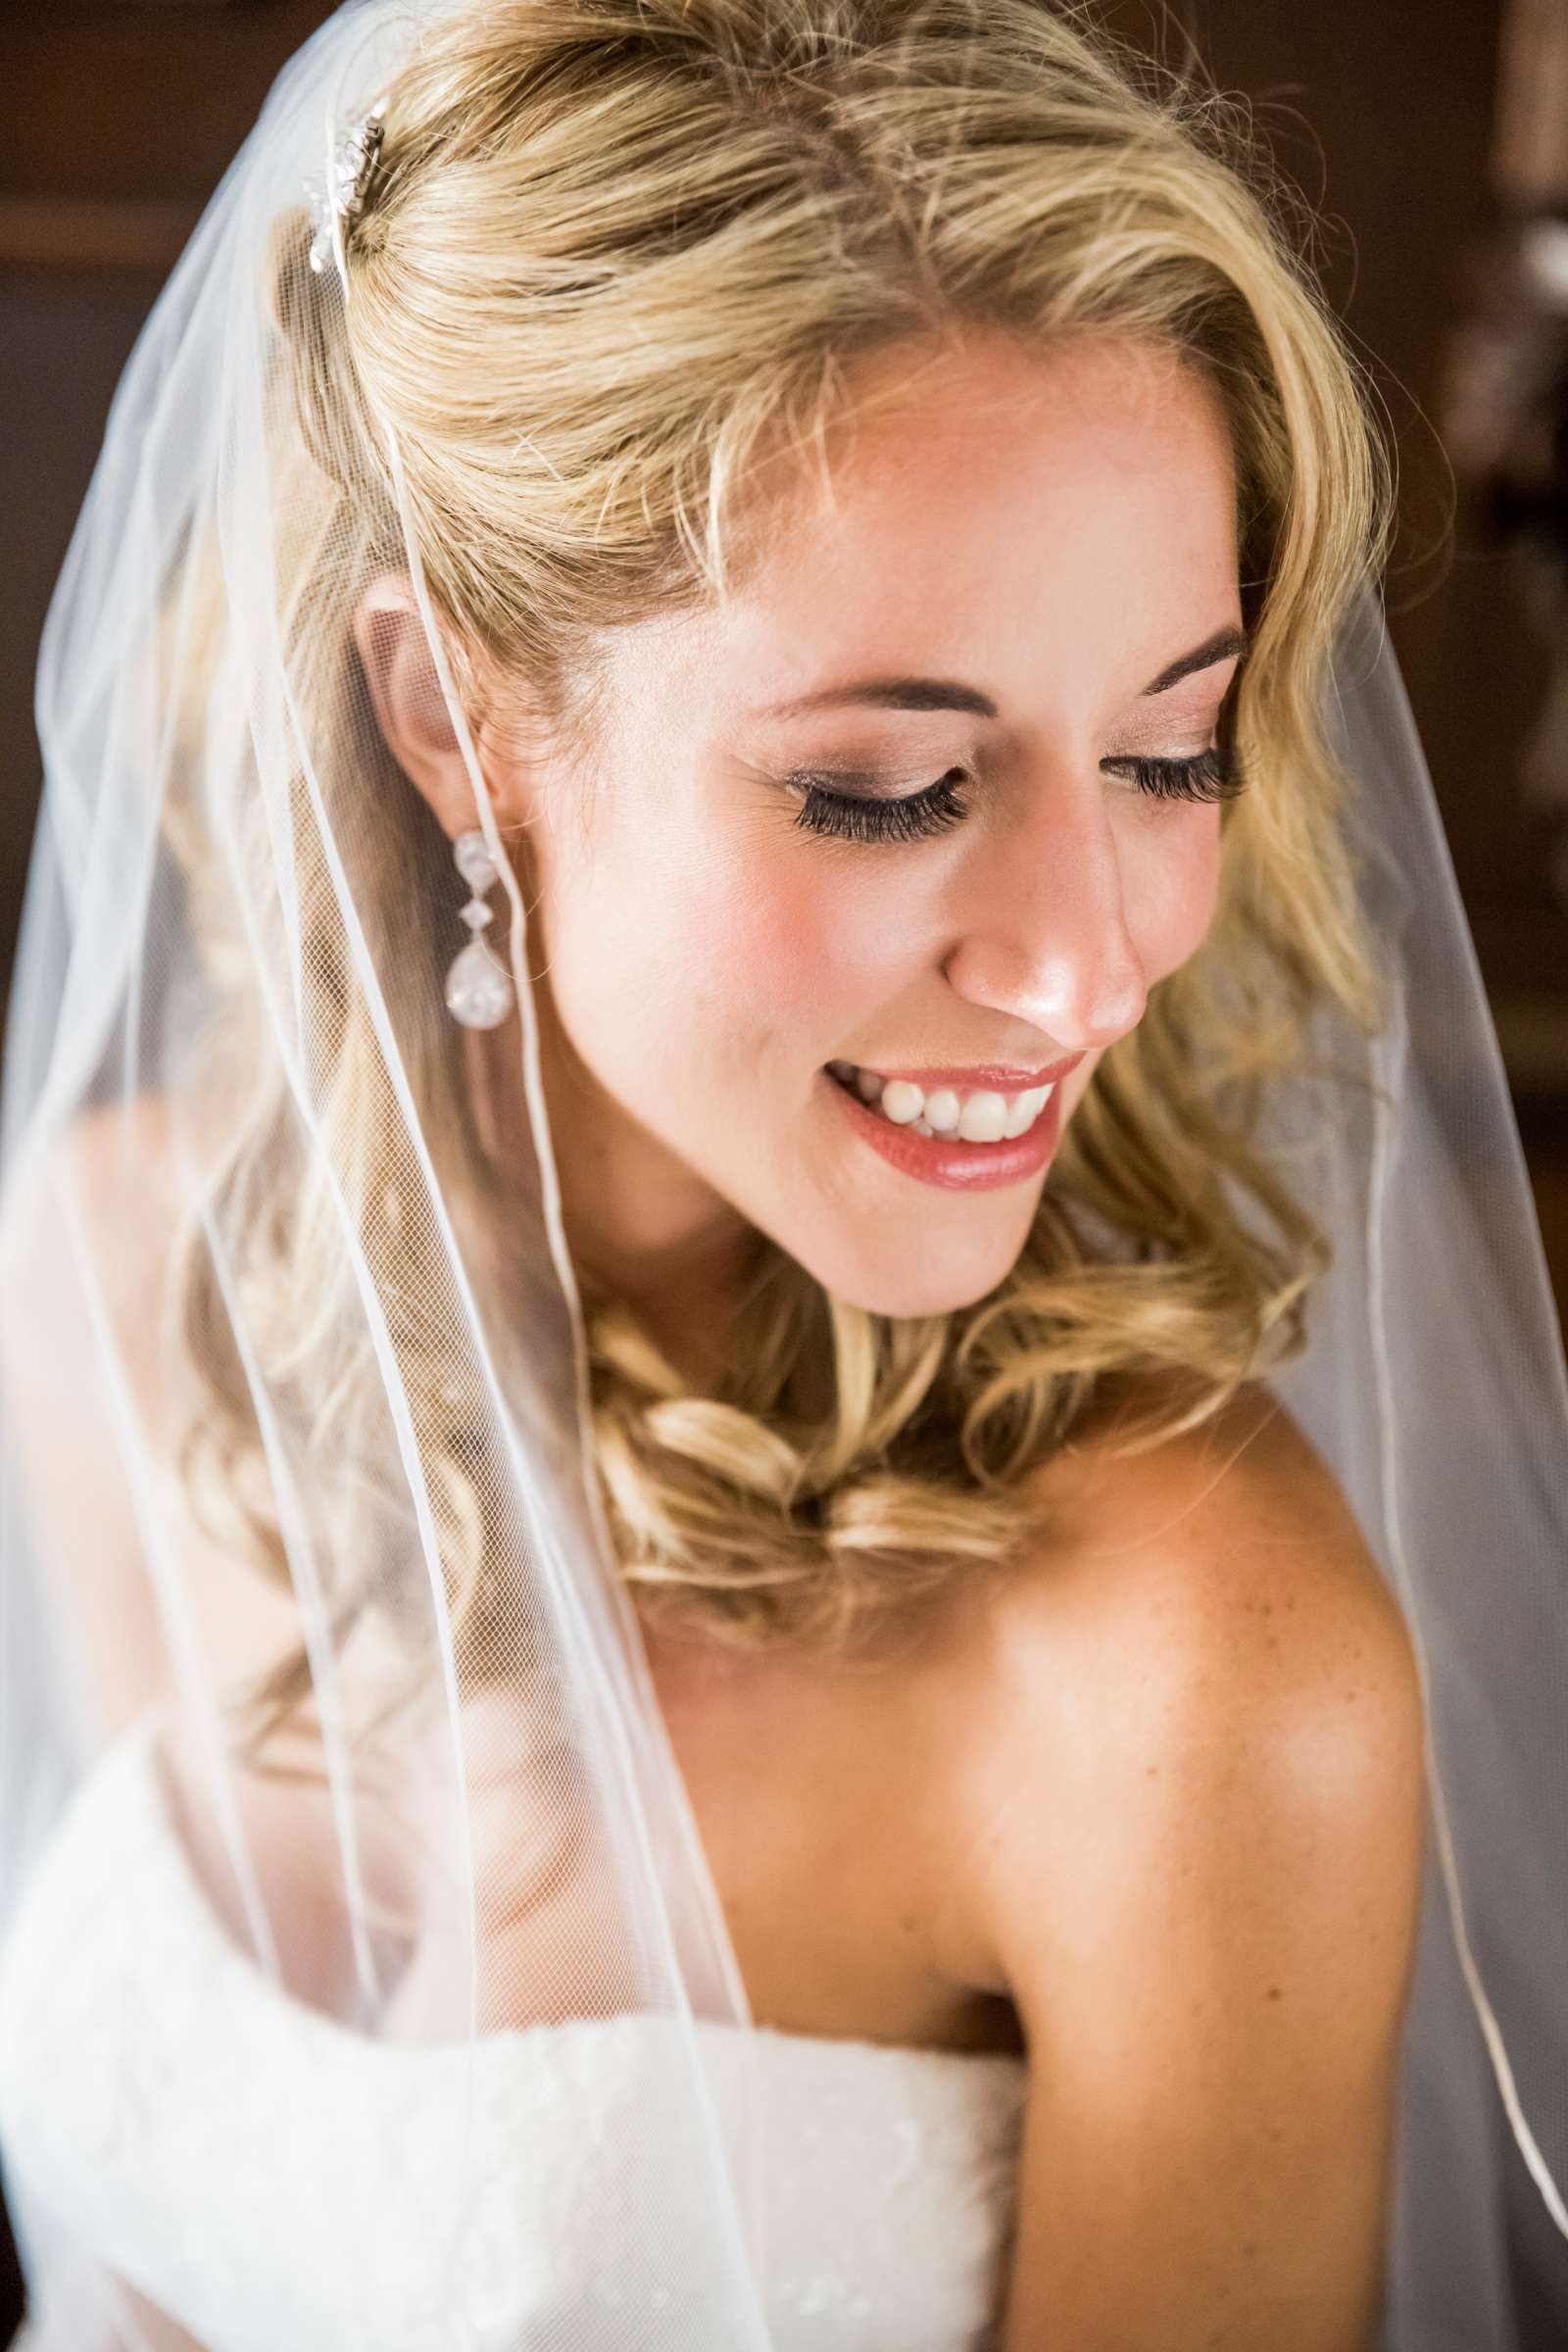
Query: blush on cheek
788	951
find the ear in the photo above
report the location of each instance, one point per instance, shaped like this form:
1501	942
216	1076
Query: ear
409	706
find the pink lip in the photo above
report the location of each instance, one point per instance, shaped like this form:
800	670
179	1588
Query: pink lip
943	1161
1002	1077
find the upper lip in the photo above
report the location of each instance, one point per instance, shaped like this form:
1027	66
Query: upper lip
1002	1077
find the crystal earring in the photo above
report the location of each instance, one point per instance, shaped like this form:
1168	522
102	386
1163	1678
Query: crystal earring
479	993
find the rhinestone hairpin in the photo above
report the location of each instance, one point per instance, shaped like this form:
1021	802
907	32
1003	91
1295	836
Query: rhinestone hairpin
353	162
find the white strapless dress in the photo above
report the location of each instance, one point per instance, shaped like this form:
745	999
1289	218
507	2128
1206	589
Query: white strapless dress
224	2148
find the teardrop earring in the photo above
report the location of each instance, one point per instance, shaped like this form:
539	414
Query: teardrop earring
480	992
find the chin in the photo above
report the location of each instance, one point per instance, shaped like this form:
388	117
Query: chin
925	1277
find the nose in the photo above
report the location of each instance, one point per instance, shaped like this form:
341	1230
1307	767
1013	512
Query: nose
1044	934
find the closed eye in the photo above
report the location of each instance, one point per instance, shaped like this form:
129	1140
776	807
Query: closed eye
1209	775
1214	774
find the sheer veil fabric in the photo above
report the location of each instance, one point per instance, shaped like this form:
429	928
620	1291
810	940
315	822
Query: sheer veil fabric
452	1811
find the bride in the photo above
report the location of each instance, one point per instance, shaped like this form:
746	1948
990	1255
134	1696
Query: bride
752	1415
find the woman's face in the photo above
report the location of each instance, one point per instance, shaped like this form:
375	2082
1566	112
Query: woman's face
1014	549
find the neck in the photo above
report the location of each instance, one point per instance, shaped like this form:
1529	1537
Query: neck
686	1296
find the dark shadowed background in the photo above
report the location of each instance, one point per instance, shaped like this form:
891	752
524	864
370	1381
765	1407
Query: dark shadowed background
120	118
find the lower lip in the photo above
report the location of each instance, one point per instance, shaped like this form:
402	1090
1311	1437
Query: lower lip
942	1160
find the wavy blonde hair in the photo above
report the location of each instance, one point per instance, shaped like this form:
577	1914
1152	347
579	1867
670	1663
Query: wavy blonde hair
590	368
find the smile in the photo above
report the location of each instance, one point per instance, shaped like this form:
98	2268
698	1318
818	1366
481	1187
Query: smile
952	1161
978	1116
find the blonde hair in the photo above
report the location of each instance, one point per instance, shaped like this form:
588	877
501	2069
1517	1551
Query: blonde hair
591	367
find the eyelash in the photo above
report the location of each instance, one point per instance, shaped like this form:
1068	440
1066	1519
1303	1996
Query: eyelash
1212	775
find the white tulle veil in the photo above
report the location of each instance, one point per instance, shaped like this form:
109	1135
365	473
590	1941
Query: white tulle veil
470	1820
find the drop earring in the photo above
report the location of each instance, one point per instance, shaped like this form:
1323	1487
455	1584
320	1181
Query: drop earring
480	992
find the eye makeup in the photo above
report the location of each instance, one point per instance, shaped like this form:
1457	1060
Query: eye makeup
1210	775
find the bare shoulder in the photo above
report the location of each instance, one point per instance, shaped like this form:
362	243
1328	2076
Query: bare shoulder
1196	1871
1207	1664
1227	1556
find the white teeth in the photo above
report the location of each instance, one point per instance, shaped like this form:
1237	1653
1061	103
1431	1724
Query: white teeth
901	1101
981	1117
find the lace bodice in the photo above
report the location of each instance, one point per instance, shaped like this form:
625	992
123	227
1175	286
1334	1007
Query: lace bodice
265	2175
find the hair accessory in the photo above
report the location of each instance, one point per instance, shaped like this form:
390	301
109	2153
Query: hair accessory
353	162
480	992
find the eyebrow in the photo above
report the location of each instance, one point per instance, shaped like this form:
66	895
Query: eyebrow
942	694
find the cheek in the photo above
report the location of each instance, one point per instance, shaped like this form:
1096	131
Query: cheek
791	950
703	950
1176	891
796	947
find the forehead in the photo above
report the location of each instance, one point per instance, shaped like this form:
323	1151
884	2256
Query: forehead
1098	411
981	510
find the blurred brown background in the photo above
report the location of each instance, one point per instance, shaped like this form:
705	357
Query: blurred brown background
120	118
